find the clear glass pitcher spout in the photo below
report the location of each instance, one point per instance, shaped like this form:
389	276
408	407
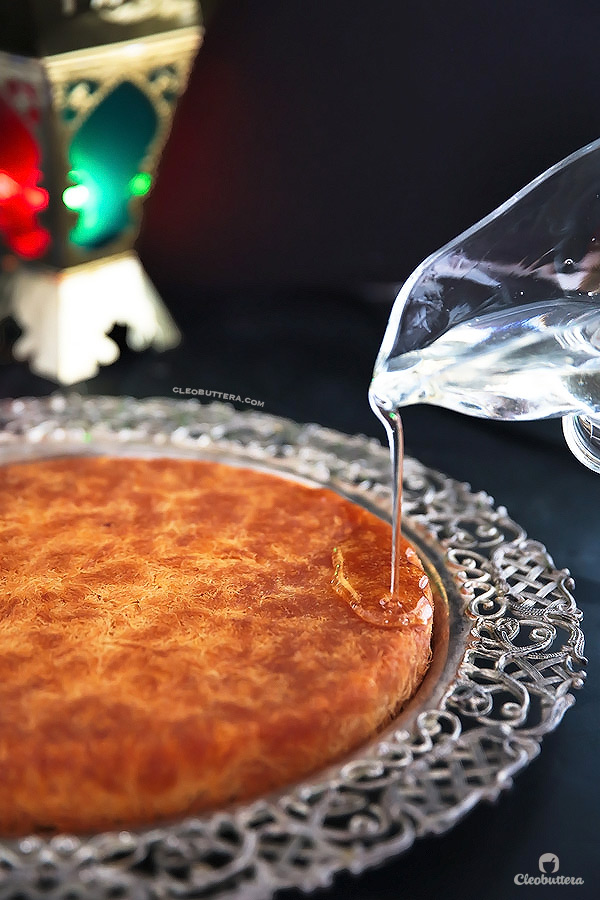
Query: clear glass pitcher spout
504	321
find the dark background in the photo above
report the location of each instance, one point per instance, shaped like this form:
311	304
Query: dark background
322	150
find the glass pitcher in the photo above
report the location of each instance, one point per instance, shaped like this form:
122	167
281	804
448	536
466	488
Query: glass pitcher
504	321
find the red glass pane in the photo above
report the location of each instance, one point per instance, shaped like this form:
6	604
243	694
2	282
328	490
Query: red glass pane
20	197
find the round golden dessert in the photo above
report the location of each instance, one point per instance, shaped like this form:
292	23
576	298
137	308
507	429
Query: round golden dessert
171	639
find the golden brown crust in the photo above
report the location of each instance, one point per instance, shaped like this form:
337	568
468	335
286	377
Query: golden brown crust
171	641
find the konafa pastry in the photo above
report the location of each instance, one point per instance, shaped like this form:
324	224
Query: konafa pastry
177	635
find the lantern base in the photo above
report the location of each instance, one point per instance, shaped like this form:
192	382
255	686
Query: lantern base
65	316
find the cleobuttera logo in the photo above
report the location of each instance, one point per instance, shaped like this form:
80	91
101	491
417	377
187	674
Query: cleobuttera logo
548	863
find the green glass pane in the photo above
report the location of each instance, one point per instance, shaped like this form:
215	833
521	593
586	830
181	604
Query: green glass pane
105	157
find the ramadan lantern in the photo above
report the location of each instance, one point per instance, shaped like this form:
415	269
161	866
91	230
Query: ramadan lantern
87	94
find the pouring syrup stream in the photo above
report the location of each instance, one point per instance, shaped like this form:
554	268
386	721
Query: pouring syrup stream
393	426
408	602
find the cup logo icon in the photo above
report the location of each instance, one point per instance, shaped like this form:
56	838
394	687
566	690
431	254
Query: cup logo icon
548	863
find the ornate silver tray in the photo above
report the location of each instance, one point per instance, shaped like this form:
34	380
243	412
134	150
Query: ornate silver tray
507	653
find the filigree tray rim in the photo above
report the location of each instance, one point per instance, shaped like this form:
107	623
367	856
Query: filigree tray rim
54	425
